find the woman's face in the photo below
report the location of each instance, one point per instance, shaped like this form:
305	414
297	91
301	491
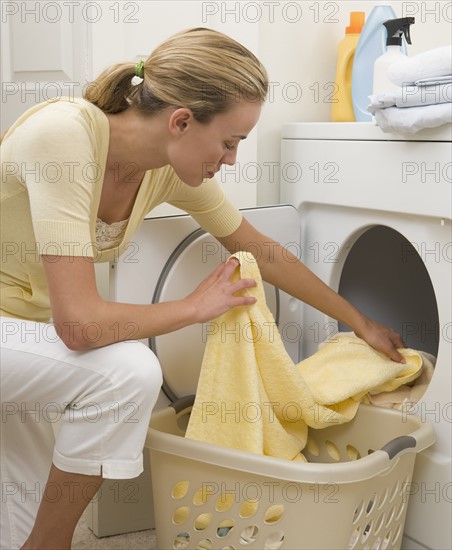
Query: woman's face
198	150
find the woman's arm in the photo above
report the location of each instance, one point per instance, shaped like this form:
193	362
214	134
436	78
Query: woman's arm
84	320
281	268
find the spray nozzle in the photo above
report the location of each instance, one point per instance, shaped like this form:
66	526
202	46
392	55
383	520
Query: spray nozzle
397	28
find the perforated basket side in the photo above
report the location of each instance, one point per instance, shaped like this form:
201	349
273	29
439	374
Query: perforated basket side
204	506
209	497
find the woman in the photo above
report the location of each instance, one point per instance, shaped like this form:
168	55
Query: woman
79	176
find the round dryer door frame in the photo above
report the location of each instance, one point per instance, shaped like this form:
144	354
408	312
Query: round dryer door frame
180	373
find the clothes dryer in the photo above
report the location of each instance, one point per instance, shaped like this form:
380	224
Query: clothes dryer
375	216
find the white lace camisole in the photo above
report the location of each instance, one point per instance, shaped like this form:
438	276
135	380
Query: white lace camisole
109	235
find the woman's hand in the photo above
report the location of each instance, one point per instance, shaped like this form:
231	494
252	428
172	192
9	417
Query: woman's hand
217	294
382	339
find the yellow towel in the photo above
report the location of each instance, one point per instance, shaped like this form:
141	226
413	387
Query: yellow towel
251	396
405	397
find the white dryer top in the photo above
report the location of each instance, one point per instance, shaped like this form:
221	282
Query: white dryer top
359	131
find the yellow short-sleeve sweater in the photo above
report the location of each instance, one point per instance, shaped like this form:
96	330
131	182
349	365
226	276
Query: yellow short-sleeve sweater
53	165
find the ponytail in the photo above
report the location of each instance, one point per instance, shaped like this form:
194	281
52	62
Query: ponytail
110	91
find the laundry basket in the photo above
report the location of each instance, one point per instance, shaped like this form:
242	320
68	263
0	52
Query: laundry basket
352	493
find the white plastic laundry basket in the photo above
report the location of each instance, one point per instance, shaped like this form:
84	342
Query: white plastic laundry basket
353	492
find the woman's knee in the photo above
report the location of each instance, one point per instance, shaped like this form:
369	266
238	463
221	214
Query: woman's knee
137	368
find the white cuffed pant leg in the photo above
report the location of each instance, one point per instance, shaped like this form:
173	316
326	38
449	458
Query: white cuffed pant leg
101	400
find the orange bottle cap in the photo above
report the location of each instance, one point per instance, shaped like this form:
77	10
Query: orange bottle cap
356	22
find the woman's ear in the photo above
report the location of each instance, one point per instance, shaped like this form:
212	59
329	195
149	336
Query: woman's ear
180	121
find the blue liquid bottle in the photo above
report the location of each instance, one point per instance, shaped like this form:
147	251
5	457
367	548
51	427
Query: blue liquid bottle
371	45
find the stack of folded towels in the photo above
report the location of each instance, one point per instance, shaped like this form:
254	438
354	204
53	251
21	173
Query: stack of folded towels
424	95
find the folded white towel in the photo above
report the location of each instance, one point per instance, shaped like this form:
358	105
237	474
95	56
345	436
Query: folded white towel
434	81
432	63
411	96
413	119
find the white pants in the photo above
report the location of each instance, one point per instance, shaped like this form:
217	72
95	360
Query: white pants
101	400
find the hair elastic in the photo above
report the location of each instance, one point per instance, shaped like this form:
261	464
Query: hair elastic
139	69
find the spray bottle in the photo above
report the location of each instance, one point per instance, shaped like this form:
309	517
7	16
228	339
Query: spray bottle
342	107
396	29
371	44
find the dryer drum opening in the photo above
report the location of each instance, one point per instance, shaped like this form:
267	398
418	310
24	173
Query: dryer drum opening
385	276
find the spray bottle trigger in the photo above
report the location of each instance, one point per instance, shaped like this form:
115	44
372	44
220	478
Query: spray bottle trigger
396	28
406	32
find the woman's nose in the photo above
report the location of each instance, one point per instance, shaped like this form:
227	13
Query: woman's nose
229	158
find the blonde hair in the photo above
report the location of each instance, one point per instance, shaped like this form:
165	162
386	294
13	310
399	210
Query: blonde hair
200	69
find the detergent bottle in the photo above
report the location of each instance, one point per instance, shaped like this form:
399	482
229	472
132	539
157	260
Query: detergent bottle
396	28
371	45
342	107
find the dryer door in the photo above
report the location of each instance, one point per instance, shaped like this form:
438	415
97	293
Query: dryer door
170	256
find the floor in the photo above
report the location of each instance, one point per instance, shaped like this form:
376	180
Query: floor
84	539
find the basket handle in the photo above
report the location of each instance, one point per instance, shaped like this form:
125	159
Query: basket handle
398	444
183	403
